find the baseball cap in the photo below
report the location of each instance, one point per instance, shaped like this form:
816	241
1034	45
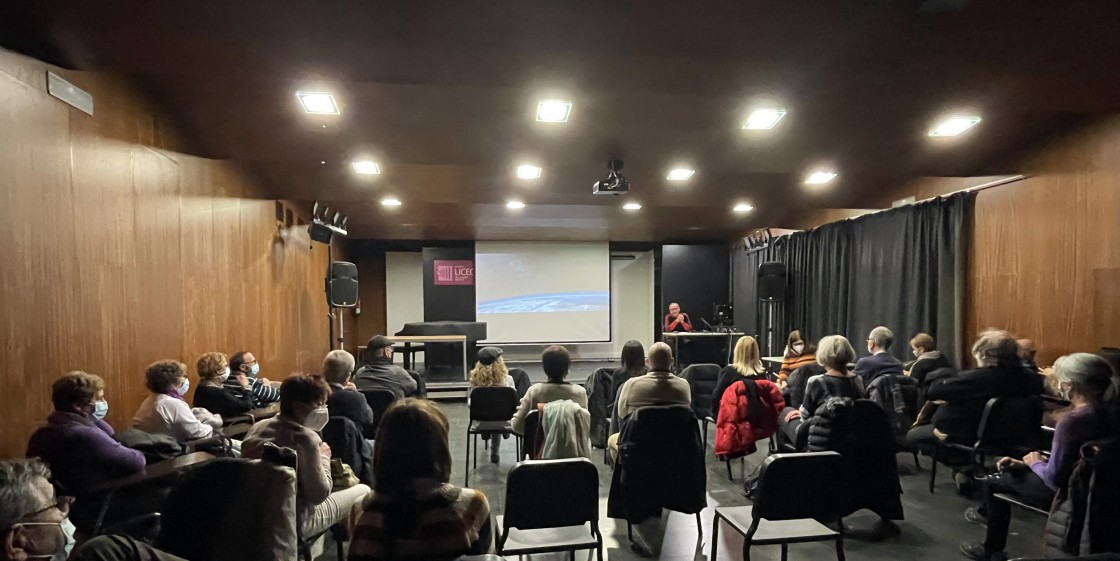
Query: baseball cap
488	355
379	342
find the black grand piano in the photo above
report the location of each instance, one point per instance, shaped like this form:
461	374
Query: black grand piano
443	361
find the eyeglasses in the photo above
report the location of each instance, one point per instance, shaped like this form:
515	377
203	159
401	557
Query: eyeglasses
61	502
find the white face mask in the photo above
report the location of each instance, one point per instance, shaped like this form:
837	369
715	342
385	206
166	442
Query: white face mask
798	347
317	419
66	529
224	375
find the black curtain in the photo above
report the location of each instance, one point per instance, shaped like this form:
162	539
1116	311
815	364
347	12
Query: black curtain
903	268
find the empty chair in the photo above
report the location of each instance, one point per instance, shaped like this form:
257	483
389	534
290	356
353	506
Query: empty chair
1009	426
702	379
551	505
794	492
379	400
491	411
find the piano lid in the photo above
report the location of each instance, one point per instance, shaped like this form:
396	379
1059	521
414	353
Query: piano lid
474	330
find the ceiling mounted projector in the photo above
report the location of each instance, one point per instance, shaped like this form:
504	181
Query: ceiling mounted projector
614	184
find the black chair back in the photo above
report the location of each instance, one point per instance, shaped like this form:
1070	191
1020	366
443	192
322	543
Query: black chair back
379	400
796	486
552	494
520	381
529	439
1010	424
702	379
493	403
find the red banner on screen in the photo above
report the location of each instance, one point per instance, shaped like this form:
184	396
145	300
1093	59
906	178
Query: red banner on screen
453	273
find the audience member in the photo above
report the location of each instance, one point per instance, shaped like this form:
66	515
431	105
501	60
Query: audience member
303	412
746	363
414	512
1027	352
165	412
34	522
834	353
244	367
999	373
1084	379
76	441
490	371
555	360
345	401
379	372
632	364
927	357
880	362
658	387
798	353
212	395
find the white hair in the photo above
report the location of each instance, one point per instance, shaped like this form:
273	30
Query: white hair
882	337
337	365
21	489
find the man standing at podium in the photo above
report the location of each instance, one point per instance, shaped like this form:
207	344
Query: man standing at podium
677	320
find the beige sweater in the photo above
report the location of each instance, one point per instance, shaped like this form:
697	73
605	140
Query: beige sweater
655	388
546	392
314	469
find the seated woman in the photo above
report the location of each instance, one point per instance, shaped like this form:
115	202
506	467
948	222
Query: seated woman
490	371
632	363
798	353
1085	380
77	442
747	363
928	358
556	362
415	512
165	411
303	412
213	371
834	353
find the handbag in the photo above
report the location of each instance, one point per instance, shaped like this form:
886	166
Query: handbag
342	477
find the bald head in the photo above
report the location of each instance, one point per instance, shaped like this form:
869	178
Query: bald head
660	357
1027	349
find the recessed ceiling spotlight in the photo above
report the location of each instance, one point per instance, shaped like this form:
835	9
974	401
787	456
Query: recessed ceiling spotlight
515	205
631	206
819	177
742	207
680	174
952	126
390	201
528	172
366	167
553	111
318	103
762	119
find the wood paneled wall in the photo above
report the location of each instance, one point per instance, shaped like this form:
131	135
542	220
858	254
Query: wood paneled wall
118	250
1045	257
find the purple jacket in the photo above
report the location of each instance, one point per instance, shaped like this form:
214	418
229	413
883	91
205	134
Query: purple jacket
1078	427
82	452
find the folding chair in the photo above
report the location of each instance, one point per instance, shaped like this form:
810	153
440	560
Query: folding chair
491	411
795	491
1009	426
379	400
551	505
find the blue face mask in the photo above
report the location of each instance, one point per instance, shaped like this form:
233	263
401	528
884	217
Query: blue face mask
183	388
100	409
254	370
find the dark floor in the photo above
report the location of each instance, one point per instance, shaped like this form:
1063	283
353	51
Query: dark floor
933	527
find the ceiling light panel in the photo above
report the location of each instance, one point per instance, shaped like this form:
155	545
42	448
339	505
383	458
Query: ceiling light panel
763	119
742	207
554	111
680	174
527	171
390	201
631	206
515	205
318	103
366	167
955	125
820	177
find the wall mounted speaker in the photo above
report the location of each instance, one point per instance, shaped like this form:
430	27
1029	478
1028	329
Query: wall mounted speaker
342	285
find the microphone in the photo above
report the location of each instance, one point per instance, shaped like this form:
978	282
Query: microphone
707	325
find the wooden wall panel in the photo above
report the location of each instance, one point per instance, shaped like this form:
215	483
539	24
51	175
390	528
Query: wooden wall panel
1045	257
118	251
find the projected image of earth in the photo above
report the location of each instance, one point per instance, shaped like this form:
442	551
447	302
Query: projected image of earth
552	302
